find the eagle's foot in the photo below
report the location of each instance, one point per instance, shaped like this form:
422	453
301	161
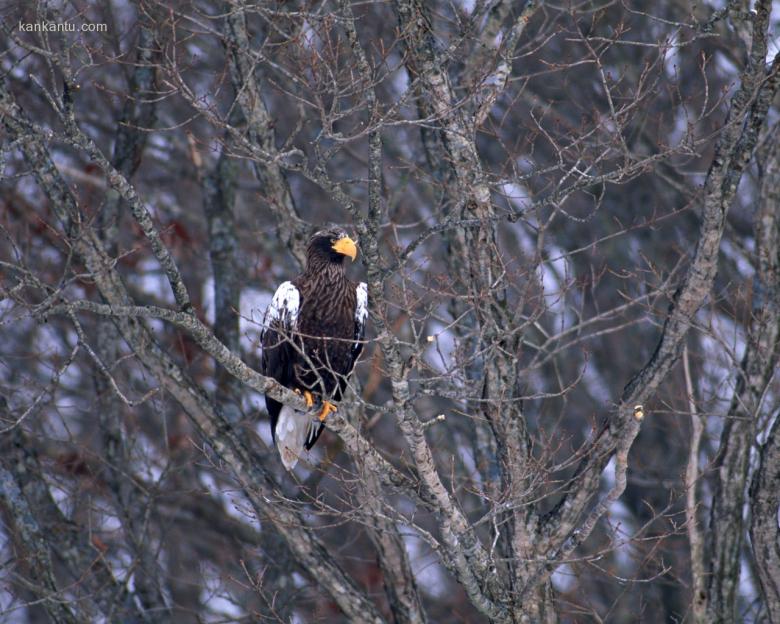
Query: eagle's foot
327	408
306	395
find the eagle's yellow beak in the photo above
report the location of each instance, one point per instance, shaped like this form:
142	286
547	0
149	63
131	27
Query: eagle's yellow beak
346	246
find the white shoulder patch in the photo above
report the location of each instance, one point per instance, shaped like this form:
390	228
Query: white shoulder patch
361	309
284	306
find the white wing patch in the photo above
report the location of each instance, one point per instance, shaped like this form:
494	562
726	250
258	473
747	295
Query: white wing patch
284	307
361	309
361	312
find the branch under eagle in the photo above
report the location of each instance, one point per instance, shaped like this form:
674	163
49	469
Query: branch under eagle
312	336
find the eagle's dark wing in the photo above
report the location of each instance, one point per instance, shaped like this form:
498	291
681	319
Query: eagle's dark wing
279	326
313	430
291	430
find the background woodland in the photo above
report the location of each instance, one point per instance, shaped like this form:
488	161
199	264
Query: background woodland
564	210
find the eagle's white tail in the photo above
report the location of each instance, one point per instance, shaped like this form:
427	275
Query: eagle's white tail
291	432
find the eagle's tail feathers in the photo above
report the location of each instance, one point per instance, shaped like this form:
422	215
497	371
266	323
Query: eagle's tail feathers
295	432
291	434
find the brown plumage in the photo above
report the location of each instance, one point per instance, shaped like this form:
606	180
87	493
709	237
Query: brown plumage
312	337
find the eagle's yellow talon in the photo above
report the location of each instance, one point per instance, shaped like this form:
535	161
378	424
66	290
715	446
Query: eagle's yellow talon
308	396
327	408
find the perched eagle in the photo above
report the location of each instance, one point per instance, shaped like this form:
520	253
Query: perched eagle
312	336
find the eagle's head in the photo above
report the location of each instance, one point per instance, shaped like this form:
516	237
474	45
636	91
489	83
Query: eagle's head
331	245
